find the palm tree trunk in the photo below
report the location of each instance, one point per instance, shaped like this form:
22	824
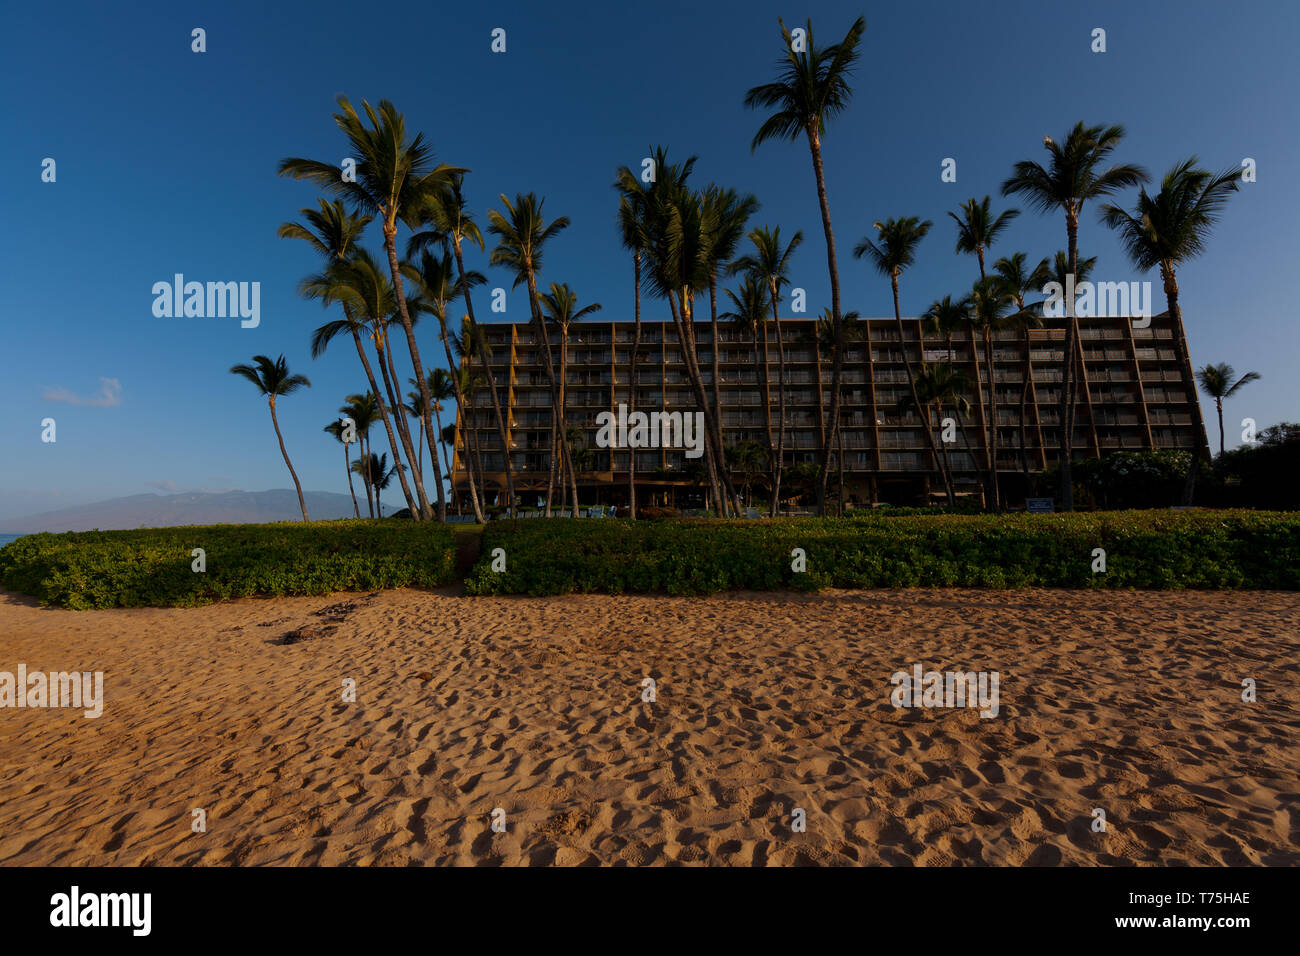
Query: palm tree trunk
446	461
911	377
780	428
837	359
280	438
1218	404
492	385
347	466
403	433
391	381
631	390
993	420
717	346
557	410
681	320
1200	442
462	411
383	414
477	484
1066	448
390	246
767	419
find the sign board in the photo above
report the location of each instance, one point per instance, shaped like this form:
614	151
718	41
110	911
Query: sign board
1040	506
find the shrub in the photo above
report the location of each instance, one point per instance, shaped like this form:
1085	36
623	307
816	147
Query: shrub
1144	549
152	567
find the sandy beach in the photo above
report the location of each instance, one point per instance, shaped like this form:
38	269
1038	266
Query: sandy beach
1127	702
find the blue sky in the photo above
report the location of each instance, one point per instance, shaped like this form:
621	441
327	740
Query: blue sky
166	163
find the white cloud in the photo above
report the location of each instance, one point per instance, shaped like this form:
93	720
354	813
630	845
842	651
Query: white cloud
110	395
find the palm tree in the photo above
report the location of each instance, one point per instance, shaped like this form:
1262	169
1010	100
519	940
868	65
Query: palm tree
676	237
448	213
334	233
748	315
937	386
560	309
1073	176
1021	281
522	233
367	298
438	284
1216	381
632	233
374	468
993	303
977	229
273	380
335	428
363	409
947	317
725	213
1166	230
812	88
468	384
443	389
896	251
393	180
414	406
770	264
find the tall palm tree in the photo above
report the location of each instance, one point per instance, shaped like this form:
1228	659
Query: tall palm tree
1073	175
725	213
947	318
748	315
522	234
937	386
1166	230
363	409
273	380
367	297
448	213
1022	282
993	303
1216	381
812	88
560	309
677	232
414	406
334	232
335	428
977	229
631	223
770	263
393	180
438	284
442	389
896	251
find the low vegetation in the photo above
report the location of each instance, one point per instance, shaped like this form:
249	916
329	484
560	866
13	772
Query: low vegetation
155	567
1143	549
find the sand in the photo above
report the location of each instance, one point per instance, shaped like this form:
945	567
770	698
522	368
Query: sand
1130	703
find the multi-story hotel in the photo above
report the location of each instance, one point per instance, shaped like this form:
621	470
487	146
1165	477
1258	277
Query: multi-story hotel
1136	396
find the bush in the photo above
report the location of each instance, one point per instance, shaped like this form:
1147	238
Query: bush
152	567
1144	549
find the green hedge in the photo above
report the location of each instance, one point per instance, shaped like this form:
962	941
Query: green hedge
1144	549
152	567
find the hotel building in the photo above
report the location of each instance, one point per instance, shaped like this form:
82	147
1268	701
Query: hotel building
1136	395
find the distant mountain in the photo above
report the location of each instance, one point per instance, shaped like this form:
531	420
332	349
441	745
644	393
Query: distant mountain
160	511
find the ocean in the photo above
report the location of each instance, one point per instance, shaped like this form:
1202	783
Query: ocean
6	538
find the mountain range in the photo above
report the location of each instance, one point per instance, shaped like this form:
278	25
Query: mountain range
160	511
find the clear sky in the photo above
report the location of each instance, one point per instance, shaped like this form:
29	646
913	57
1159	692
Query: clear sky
166	163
